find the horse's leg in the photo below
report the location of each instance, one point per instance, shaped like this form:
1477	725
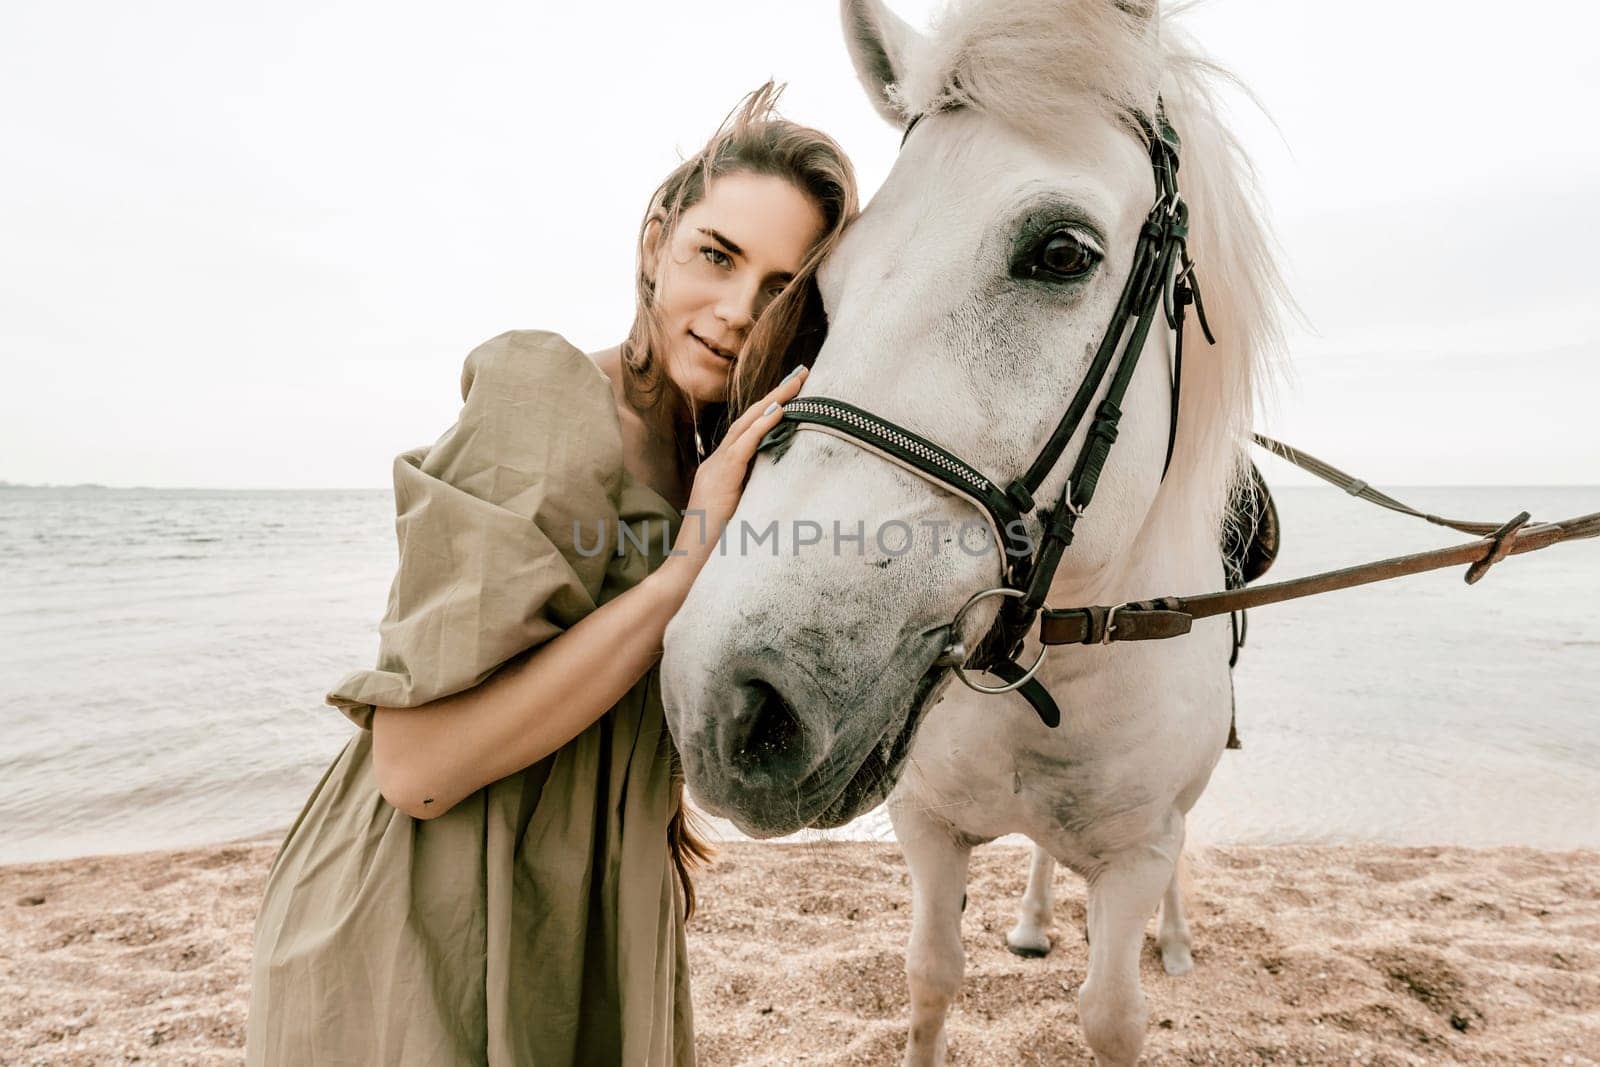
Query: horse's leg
1122	897
934	958
1173	940
1031	935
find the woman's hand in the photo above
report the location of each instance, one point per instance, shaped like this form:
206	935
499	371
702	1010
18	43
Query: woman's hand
719	482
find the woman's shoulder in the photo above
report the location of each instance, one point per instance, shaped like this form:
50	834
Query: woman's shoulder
537	421
542	360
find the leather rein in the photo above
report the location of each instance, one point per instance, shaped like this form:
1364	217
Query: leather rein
1161	280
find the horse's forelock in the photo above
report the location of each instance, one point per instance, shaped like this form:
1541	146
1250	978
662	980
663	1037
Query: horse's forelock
1032	63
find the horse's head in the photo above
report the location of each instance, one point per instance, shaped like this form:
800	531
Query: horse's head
966	304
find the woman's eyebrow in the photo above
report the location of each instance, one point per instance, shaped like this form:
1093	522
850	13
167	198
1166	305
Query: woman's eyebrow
729	245
783	276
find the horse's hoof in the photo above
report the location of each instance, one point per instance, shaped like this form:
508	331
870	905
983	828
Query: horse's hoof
1176	959
1030	944
1028	951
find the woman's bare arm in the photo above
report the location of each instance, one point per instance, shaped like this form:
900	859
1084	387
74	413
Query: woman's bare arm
430	757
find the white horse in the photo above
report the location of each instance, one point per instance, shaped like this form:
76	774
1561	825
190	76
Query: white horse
800	677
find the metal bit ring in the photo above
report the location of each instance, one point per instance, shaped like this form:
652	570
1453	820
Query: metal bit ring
961	673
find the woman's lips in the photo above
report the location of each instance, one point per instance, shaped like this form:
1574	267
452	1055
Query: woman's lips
712	348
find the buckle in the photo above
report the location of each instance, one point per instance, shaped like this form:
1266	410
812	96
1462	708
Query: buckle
1111	625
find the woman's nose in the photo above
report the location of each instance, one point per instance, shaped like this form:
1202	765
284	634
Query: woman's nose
737	310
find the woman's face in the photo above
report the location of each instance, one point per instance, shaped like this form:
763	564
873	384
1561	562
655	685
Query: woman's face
730	255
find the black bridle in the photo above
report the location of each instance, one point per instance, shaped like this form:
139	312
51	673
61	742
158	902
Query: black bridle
1161	279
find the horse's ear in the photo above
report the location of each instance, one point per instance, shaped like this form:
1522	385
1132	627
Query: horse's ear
879	43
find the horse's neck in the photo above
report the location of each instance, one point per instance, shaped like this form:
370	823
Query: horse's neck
1160	560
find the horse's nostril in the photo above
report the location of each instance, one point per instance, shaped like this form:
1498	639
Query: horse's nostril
767	734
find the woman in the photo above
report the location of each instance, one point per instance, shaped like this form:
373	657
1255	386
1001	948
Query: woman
495	869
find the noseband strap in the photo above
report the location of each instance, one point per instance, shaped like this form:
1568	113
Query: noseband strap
1160	279
904	448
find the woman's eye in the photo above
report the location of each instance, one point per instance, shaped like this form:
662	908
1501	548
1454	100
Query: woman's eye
717	256
1062	256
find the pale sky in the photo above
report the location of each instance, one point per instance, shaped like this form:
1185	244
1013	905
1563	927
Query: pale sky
250	245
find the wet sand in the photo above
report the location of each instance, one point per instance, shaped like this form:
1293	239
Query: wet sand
1314	955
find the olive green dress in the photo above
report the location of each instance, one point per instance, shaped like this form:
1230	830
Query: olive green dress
539	922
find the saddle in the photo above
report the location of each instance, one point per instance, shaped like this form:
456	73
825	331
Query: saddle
1250	539
1250	536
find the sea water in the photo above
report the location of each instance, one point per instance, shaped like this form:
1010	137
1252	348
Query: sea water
164	656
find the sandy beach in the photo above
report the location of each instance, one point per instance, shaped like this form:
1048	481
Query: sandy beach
1304	955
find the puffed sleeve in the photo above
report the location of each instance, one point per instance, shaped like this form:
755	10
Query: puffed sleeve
505	524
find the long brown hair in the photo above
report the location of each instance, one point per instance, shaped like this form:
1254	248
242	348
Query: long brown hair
753	139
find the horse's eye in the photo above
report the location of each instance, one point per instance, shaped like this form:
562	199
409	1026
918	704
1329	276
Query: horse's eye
1062	256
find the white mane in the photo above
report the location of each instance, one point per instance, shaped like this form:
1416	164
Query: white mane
1032	64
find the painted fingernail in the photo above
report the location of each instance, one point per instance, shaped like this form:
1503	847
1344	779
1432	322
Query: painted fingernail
771	408
793	372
